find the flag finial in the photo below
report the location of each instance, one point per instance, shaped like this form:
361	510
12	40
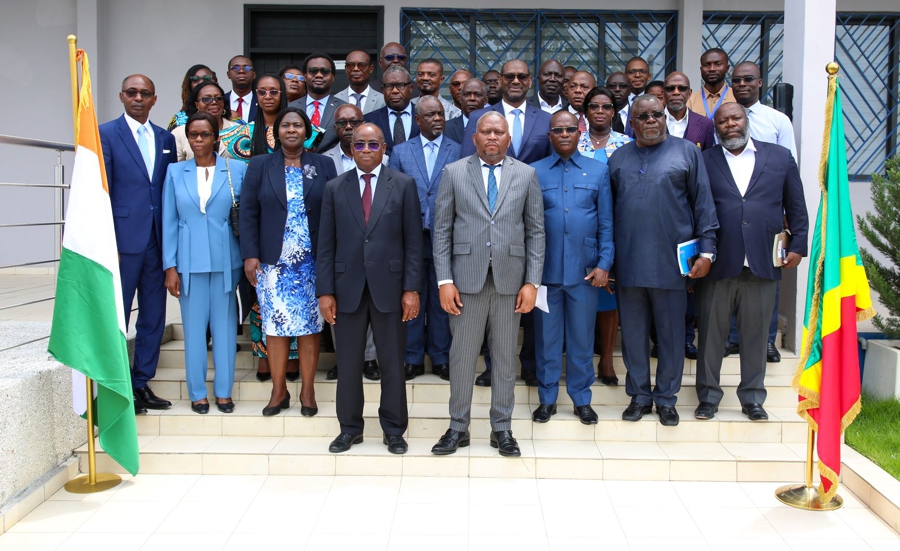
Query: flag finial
832	68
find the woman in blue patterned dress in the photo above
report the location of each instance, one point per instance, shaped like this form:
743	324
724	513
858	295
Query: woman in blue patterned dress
280	209
599	142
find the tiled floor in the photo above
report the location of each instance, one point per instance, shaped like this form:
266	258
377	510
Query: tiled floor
175	512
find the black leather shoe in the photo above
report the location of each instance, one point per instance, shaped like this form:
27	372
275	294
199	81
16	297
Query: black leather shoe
654	351
635	411
530	378
227	407
586	415
772	354
292	376
413	370
451	441
543	412
484	379
150	400
139	408
609	381
754	412
200	408
505	443
332	374
263	377
442	371
690	351
371	371
668	415
343	442
705	411
308	411
731	348
275	410
395	444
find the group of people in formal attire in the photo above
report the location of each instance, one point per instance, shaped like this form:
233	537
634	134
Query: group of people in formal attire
417	225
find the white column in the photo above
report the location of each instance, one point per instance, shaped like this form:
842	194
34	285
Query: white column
690	43
809	34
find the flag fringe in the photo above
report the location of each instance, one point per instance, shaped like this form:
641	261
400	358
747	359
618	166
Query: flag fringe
866	314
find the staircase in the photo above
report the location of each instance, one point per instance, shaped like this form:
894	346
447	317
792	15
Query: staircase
727	448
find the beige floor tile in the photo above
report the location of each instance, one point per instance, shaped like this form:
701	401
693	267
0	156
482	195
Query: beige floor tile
151	487
242	541
128	516
804	544
795	524
298	465
56	516
522	491
744	431
368	465
208	517
130	541
671	544
199	425
688	430
99	497
770	471
875	544
235	464
669	522
587	519
423	519
179	444
631	450
349	542
574	493
723	522
583	469
253	426
368	518
278	517
866	523
161	541
218	489
635	469
427	490
601	541
452	466
31	542
703	471
736	544
399	542
563	426
719	494
639	493
510	520
244	444
365	489
744	451
305	489
626	431
566	449
513	541
695	451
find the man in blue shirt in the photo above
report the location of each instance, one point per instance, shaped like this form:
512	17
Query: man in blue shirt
578	221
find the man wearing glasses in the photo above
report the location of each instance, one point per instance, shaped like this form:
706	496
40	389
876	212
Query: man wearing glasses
662	199
680	121
359	68
369	271
395	119
318	102
392	55
638	73
242	97
137	154
618	85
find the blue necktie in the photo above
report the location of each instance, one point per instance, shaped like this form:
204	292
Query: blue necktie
492	187
517	130
429	158
145	150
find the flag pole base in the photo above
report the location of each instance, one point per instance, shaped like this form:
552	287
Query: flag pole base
806	498
82	484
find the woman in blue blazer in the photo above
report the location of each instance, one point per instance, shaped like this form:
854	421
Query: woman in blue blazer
202	258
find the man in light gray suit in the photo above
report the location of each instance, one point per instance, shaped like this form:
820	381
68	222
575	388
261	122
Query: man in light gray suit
359	67
488	257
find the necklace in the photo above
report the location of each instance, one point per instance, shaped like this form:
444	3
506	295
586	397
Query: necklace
601	139
292	162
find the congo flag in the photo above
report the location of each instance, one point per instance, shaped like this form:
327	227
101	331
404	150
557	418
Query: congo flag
827	378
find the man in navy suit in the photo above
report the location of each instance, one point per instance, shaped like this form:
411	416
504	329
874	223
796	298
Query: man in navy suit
395	119
681	121
242	97
529	144
472	96
424	159
755	185
137	154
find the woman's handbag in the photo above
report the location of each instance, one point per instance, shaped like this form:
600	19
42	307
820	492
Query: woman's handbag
234	214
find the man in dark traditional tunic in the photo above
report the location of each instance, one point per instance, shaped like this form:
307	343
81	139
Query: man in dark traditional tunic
661	198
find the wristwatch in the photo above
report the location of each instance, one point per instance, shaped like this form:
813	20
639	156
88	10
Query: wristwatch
709	256
537	285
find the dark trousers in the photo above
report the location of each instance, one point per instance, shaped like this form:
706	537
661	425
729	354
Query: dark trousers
639	307
750	299
389	332
142	273
526	353
430	330
773	323
690	314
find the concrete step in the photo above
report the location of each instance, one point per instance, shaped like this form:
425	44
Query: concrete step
606	460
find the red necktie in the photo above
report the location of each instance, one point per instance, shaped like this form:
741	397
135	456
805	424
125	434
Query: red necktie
240	110
317	117
581	126
367	197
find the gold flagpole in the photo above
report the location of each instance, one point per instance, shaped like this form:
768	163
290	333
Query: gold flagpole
93	482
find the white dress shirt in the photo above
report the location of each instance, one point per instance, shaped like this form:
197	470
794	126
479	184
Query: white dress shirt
204	184
151	139
742	166
772	126
623	112
362	100
362	183
677	127
348	162
510	118
405	116
236	100
547	108
310	108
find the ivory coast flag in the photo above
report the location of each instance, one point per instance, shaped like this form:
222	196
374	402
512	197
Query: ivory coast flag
827	378
88	332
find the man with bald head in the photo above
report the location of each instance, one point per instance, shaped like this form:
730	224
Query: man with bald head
550	96
359	68
392	54
457	79
491	81
580	84
472	95
137	154
681	121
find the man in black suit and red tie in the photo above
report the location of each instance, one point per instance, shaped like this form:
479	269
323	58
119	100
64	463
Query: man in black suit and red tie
680	121
396	119
369	270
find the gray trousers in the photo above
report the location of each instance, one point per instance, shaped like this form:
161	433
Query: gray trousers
489	310
370	343
751	299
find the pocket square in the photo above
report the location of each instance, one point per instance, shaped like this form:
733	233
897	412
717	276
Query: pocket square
165	151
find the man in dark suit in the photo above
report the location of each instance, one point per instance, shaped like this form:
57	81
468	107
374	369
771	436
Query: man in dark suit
550	96
395	119
318	102
424	159
472	96
528	143
755	186
618	84
681	121
242	96
580	84
137	154
369	270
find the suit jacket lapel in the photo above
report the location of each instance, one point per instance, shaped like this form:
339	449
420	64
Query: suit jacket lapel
477	180
350	183
531	115
722	164
440	161
419	154
220	179
386	124
382	190
691	128
190	182
761	154
158	163
506	179
276	177
131	145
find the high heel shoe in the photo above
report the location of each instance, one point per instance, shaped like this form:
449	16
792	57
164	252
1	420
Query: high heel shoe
263	377
292	376
275	410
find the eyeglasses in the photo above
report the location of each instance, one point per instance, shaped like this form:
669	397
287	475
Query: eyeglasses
361	146
131	93
352	122
324	71
510	77
671	88
558	130
356	65
205	78
206	100
747	80
637	72
604	106
394	57
391	86
617	86
205	135
432	114
263	93
239	68
295	76
655	114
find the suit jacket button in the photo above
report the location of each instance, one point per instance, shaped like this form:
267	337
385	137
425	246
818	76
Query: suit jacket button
368	240
492	222
743	200
565	189
488	243
745	222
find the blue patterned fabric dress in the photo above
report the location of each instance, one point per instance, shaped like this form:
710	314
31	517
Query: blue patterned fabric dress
287	290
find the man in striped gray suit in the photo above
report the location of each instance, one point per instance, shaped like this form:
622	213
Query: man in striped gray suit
488	257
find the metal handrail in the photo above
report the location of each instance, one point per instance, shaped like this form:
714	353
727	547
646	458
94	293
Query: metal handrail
47	186
31	142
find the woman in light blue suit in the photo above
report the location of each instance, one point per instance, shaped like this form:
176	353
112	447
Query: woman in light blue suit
202	258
